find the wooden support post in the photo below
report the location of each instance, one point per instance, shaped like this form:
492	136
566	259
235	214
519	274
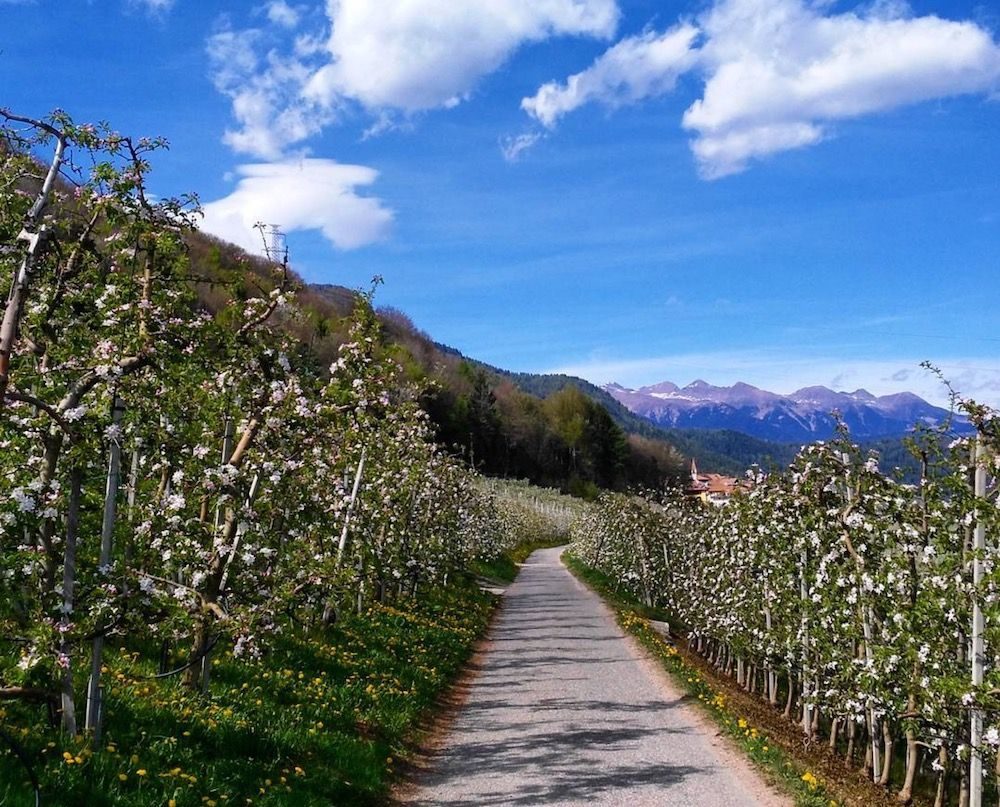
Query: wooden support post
978	627
92	721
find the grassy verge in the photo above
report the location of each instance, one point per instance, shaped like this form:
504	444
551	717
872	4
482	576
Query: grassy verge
727	705
319	721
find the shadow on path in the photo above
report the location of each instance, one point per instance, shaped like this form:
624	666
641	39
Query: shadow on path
560	711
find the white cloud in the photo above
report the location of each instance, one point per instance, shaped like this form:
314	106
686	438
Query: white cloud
779	72
783	372
395	56
643	66
727	153
280	13
308	194
154	6
266	94
414	55
513	146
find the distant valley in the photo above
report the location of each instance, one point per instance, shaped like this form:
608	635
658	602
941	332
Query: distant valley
804	415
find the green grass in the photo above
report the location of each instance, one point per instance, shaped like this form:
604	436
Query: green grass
778	767
321	720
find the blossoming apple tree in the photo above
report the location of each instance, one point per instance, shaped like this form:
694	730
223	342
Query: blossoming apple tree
842	596
179	477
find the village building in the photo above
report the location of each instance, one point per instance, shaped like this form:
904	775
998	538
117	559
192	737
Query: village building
713	489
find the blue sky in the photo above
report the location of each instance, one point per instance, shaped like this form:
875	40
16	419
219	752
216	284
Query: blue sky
771	191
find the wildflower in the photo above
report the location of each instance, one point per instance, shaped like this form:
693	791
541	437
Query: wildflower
810	780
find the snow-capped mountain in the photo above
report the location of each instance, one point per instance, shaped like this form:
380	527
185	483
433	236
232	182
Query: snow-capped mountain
804	415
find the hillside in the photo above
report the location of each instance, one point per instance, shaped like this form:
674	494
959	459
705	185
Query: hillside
721	450
556	437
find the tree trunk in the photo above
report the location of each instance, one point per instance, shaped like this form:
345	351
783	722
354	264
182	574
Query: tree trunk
942	777
53	442
68	701
887	748
790	700
199	644
905	794
963	787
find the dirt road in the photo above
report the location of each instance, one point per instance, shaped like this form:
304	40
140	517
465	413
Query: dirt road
563	709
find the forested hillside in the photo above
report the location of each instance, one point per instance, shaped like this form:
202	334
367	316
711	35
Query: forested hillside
555	437
719	450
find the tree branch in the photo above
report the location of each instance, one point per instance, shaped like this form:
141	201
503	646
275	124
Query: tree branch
91	379
48	409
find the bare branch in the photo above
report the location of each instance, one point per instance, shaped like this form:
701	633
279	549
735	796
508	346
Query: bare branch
38	403
91	379
31	234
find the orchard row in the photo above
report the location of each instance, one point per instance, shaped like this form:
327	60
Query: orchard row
182	480
865	609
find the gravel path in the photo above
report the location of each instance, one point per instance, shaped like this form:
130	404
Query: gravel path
562	708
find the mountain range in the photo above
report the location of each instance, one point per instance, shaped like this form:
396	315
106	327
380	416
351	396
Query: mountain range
804	415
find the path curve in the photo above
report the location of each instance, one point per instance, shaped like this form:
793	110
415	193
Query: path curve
564	709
